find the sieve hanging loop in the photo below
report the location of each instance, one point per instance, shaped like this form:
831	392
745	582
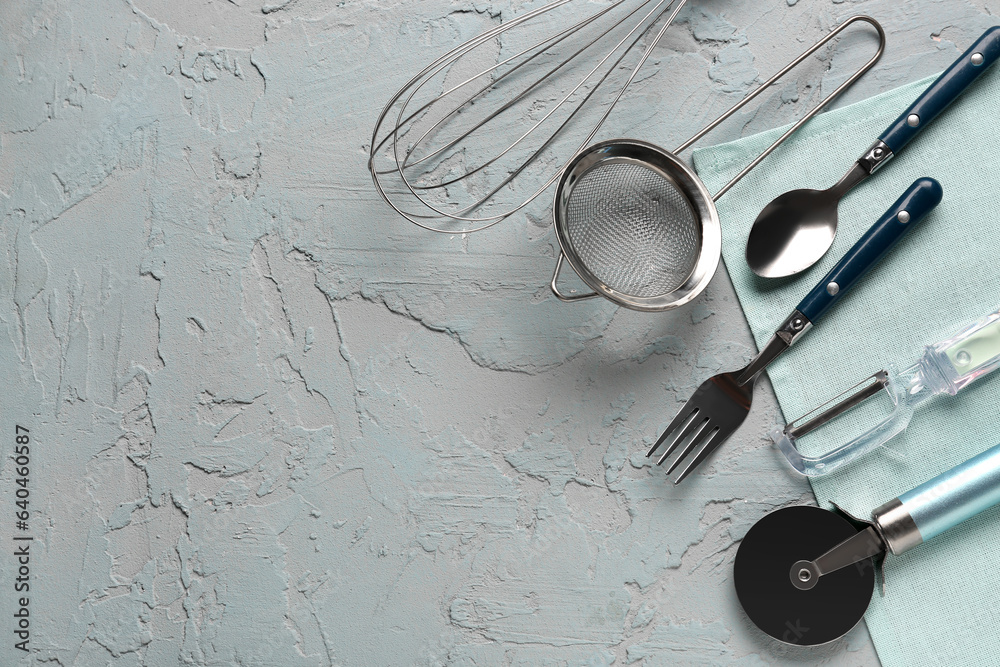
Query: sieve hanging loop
555	287
639	226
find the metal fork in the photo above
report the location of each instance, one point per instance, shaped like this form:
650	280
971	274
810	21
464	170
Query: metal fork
722	402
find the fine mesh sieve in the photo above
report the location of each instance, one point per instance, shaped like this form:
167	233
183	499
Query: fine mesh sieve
633	228
638	225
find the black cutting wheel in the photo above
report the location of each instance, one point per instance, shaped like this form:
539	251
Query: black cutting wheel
761	572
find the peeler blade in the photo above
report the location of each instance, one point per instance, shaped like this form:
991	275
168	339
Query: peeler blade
869	387
875	425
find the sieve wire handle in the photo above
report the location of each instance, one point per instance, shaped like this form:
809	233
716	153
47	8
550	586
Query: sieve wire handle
767	84
555	287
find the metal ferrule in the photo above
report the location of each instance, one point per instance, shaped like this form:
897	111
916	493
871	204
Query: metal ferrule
896	527
876	156
771	351
792	328
789	331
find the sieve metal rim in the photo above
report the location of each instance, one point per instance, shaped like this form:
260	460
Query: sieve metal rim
670	167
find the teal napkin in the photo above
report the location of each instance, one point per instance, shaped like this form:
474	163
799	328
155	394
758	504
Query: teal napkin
942	602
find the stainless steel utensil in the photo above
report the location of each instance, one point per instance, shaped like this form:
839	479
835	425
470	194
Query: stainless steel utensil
638	226
798	227
486	128
722	402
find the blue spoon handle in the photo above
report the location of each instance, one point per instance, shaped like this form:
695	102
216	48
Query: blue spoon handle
976	60
916	202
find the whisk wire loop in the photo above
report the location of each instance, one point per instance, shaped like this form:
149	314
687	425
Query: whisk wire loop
429	176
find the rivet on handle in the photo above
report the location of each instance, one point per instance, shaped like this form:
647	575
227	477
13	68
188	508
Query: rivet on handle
904	217
977	59
913	120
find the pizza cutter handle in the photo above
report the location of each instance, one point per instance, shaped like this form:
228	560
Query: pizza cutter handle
941	503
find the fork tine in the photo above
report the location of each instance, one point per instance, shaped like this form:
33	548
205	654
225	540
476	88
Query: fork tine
682	416
704	427
697	422
717	439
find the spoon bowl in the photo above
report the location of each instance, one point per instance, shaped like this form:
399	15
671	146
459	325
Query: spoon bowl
793	232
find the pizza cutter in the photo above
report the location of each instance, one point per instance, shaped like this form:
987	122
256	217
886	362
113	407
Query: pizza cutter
805	575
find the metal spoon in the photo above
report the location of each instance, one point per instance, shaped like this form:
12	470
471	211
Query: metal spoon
797	228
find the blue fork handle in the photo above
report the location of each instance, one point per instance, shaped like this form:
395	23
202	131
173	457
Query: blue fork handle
916	202
952	82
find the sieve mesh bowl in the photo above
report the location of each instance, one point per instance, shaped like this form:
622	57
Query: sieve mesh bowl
637	225
632	228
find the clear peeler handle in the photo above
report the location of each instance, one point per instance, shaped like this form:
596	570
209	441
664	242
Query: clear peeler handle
970	354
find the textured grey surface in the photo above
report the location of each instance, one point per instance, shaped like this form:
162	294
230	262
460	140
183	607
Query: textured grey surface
277	425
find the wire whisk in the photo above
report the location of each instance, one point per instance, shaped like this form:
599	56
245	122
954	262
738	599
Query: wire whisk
488	127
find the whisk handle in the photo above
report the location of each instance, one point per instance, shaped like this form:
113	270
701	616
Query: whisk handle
918	200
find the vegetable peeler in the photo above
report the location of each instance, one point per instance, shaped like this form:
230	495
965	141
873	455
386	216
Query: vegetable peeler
945	368
805	575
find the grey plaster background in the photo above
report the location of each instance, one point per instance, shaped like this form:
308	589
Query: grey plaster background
273	424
